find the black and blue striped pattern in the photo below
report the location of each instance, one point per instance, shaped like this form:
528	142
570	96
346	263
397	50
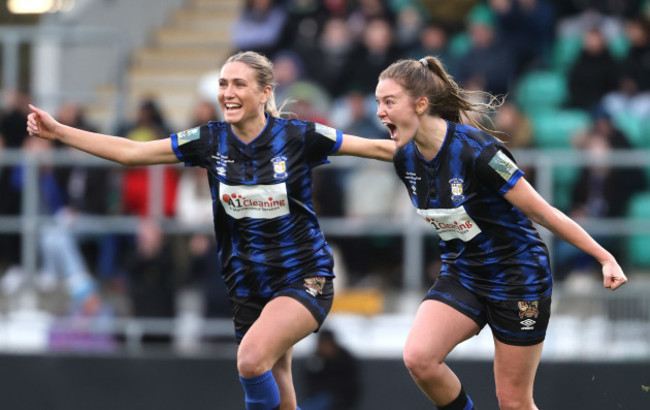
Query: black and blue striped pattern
507	260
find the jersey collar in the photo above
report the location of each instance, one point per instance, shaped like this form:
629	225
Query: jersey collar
257	140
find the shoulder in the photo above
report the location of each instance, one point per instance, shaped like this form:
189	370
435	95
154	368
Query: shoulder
475	140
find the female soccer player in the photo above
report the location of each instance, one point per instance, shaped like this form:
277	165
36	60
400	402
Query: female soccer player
466	185
274	258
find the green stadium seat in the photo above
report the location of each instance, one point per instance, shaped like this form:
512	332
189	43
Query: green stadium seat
541	91
564	52
460	44
639	245
554	129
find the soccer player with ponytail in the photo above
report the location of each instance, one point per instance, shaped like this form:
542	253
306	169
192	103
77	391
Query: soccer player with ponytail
467	186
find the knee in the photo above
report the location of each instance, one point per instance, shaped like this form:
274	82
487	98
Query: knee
421	365
250	362
509	401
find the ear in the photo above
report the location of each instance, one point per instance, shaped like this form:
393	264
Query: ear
421	105
267	94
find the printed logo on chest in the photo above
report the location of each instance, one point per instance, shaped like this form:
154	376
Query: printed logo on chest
254	201
453	223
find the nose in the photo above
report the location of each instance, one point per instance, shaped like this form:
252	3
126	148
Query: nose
380	111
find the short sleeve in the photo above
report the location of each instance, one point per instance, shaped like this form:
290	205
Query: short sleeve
495	167
191	146
321	141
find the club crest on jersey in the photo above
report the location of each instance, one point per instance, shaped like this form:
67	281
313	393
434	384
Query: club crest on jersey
279	167
315	285
528	311
456	189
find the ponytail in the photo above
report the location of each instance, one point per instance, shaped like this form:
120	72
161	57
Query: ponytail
428	78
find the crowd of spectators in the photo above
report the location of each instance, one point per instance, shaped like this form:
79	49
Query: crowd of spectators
327	56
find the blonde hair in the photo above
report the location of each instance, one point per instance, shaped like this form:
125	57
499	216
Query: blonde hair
428	78
263	68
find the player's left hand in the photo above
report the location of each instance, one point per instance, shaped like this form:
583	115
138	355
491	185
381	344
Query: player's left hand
613	276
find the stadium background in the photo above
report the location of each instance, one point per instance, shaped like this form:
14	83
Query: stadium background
146	68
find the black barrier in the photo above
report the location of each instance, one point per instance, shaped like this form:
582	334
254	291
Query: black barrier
55	382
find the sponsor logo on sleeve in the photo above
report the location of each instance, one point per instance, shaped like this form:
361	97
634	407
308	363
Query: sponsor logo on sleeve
503	165
188	135
254	201
452	223
326	131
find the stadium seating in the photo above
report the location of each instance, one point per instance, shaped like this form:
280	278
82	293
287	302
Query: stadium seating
539	91
554	128
639	245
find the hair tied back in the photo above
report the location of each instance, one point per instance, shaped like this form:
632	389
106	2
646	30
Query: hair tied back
424	62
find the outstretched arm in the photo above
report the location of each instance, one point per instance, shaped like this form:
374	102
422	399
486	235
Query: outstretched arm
121	150
367	148
524	197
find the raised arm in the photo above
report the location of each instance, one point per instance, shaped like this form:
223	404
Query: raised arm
121	150
367	148
524	197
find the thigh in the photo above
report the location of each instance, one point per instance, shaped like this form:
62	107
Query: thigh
283	322
515	368
437	329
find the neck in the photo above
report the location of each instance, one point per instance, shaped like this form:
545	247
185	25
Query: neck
430	136
248	130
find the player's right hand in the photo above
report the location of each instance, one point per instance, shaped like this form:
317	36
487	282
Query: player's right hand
41	124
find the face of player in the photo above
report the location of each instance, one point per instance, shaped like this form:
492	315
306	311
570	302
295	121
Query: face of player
397	111
240	96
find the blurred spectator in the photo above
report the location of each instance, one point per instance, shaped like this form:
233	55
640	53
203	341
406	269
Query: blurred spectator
434	41
304	23
588	19
58	247
288	69
362	12
633	93
152	276
204	112
354	113
601	191
515	124
327	63
331	374
450	13
488	65
194	210
526	27
12	136
12	121
259	27
410	21
376	52
593	74
149	125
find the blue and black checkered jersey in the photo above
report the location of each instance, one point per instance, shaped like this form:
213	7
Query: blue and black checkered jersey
491	246
266	228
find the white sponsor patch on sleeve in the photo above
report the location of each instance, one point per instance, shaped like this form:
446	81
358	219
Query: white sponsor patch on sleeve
503	165
452	223
188	135
326	131
254	201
